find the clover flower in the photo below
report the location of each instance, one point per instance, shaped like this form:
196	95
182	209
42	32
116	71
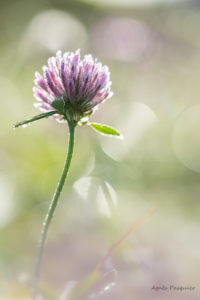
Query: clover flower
72	86
70	90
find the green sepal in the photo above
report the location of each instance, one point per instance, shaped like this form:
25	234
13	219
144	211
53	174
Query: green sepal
59	105
35	118
105	130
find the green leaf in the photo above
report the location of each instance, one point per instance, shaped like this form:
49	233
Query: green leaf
35	118
105	129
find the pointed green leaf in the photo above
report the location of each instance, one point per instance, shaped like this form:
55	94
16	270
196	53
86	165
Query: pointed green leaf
105	129
35	118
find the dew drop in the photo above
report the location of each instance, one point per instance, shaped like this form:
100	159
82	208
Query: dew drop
26	125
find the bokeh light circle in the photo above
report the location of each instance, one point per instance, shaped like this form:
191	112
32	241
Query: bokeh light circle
139	119
52	30
123	39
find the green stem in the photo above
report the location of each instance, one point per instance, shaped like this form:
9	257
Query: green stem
52	207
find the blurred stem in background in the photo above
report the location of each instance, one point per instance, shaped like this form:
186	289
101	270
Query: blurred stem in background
52	207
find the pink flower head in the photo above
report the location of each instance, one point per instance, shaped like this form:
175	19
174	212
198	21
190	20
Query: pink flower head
72	86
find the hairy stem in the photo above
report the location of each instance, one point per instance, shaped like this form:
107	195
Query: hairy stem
36	118
52	208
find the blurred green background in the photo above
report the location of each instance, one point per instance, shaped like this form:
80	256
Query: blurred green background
152	48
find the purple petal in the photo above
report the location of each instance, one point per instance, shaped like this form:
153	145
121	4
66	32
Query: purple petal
40	82
65	77
75	64
55	80
42	106
40	96
51	84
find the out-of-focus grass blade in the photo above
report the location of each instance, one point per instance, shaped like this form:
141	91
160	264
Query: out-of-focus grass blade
118	243
84	286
